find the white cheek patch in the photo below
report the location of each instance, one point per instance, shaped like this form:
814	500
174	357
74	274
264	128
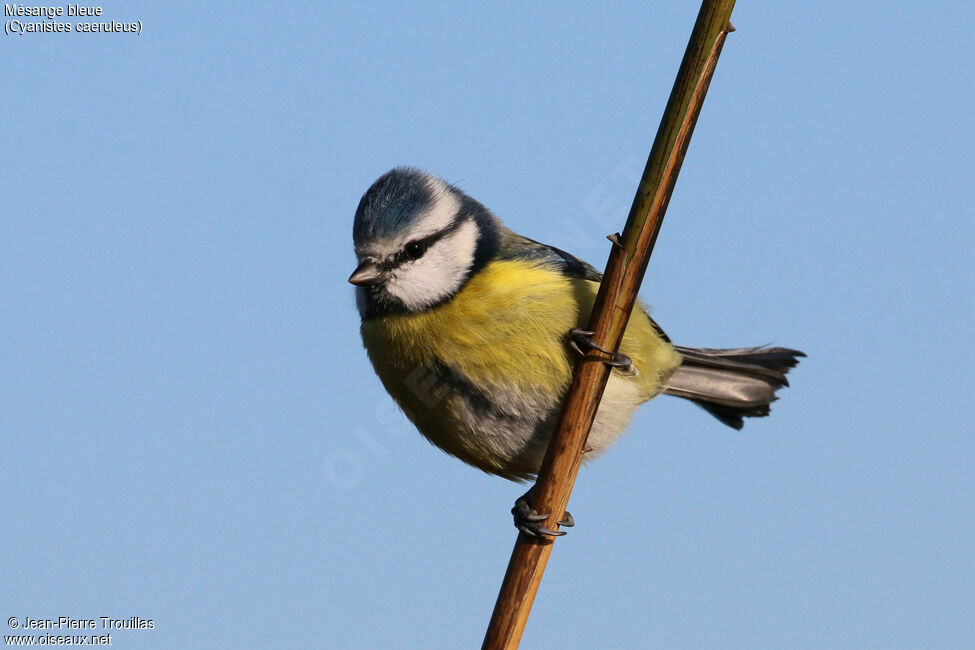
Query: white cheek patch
439	273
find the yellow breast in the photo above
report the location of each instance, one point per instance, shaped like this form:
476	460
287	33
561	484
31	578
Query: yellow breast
504	326
504	332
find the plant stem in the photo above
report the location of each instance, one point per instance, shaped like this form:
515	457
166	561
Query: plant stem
625	268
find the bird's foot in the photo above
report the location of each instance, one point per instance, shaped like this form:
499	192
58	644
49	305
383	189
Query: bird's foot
530	522
580	340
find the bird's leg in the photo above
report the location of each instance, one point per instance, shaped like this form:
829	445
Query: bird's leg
530	522
579	339
527	520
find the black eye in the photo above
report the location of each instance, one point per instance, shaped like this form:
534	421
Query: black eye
415	249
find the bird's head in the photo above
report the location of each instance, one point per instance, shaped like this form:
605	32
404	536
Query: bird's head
418	240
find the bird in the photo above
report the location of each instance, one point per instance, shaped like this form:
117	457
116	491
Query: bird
473	330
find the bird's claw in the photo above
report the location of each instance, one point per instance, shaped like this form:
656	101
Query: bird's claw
579	337
530	522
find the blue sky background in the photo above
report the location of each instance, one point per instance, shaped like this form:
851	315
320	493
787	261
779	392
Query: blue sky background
191	431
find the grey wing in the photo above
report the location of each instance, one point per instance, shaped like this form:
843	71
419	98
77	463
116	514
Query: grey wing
515	246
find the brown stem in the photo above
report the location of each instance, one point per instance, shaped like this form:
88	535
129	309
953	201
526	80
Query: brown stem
627	264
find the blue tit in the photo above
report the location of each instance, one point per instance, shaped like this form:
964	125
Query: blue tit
466	323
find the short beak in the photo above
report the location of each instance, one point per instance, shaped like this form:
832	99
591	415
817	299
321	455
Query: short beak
367	273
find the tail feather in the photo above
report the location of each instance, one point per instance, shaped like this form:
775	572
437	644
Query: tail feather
732	384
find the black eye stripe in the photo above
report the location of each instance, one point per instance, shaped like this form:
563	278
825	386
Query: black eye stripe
415	249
